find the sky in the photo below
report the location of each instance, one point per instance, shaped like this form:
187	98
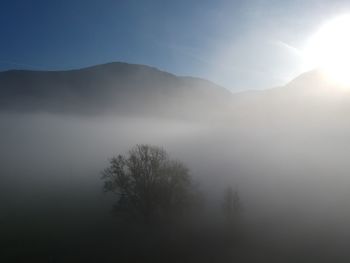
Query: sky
237	44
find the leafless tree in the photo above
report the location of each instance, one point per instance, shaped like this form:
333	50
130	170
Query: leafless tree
231	204
148	183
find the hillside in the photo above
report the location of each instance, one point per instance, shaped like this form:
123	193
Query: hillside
114	88
308	99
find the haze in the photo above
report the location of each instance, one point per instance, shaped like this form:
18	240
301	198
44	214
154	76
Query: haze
68	105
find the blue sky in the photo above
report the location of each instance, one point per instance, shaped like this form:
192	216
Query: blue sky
238	44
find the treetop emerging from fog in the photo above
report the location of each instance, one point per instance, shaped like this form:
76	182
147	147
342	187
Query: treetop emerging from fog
148	183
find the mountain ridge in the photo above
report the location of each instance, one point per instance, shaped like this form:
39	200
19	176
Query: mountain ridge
120	88
115	87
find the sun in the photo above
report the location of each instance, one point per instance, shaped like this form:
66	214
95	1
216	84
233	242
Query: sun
329	50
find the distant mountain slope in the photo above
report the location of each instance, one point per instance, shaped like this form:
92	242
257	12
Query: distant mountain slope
114	88
310	100
143	91
310	97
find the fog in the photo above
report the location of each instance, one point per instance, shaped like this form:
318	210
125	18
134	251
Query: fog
289	165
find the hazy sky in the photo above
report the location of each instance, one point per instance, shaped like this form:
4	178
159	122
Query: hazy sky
238	44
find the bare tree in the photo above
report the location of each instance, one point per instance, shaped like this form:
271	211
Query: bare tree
148	183
231	204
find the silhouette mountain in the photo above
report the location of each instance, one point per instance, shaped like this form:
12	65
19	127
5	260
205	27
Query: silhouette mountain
114	88
310	99
142	91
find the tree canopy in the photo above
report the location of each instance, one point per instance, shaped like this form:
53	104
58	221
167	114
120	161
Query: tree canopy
148	183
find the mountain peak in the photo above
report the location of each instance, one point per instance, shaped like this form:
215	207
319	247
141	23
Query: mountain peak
116	87
309	78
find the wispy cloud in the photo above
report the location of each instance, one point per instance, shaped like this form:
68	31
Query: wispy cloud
288	47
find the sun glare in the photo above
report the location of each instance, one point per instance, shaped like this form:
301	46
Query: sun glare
329	50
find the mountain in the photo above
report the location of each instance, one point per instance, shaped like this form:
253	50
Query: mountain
142	91
310	98
114	88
